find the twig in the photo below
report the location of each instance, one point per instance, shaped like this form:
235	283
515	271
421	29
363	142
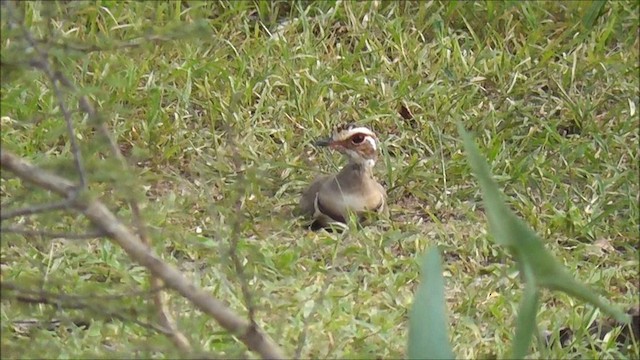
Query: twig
160	299
48	234
126	44
43	65
35	209
64	301
121	235
127	294
235	234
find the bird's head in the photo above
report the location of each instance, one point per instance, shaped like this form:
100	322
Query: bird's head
358	143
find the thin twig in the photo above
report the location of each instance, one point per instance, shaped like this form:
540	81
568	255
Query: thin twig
93	297
160	299
35	209
126	44
102	218
235	239
64	301
43	65
238	218
48	234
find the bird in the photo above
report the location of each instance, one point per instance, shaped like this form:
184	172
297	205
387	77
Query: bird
330	199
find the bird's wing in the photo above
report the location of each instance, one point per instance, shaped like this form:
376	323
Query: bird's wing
306	205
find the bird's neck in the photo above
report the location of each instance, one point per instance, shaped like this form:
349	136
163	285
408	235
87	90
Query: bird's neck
356	177
360	168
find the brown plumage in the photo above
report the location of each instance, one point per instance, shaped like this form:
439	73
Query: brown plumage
331	198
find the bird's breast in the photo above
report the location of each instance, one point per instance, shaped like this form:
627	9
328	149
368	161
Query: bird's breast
343	203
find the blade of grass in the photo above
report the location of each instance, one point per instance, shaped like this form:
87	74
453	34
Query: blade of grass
592	14
428	338
526	321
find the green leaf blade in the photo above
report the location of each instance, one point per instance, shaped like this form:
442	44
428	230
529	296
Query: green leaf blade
428	337
526	321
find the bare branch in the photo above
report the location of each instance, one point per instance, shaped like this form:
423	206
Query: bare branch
126	44
104	219
35	209
127	294
53	324
63	301
35	175
48	234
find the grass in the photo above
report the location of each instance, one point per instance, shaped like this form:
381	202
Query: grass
549	89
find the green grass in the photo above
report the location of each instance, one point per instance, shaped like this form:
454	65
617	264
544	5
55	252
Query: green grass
550	91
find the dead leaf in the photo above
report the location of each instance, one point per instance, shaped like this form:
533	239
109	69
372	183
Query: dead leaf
405	112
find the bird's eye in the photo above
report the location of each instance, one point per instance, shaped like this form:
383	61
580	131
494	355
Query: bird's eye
357	139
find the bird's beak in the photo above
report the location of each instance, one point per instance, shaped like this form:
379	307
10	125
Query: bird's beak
324	142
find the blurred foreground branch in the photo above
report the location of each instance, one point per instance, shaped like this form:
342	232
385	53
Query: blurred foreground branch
10	290
134	239
103	219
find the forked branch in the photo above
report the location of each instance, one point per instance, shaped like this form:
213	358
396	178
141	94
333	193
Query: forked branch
102	218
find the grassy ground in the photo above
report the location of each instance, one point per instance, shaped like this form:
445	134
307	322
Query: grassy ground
222	105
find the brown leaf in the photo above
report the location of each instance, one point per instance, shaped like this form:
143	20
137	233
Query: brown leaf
405	112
